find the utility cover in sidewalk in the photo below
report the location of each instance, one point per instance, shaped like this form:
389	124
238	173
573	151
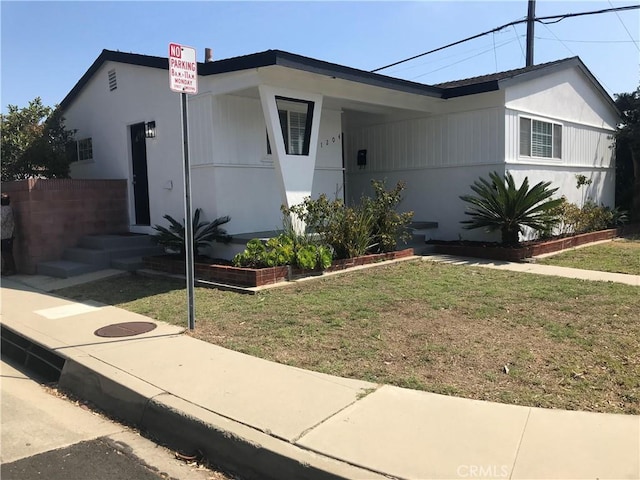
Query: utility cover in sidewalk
127	329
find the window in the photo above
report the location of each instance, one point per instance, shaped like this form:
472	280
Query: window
295	123
85	149
540	139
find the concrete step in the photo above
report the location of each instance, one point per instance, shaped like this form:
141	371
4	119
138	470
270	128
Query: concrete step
103	258
129	264
116	241
65	268
99	258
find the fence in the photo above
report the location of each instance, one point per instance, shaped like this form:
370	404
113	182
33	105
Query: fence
53	214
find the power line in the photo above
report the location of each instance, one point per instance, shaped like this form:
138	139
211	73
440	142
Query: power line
557	18
585	41
625	28
463	60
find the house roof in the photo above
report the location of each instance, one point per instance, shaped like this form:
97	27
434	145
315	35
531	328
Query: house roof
457	88
257	60
493	81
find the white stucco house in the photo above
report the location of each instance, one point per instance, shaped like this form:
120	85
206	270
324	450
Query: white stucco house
274	127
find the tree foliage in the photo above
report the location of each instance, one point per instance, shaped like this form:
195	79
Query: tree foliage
499	205
628	153
35	142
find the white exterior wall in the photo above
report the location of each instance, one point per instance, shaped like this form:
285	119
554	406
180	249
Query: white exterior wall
438	157
567	98
142	95
232	172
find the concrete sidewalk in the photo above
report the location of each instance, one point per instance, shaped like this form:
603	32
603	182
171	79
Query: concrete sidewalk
537	269
269	421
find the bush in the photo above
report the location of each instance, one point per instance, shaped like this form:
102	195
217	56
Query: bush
499	205
346	230
371	226
204	233
389	226
589	218
285	249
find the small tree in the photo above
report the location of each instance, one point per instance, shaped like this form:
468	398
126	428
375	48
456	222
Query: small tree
35	143
499	205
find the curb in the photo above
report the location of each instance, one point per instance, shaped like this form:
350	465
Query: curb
186	427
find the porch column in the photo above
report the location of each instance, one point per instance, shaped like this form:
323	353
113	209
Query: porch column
293	122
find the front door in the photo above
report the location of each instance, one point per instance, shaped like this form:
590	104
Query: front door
140	180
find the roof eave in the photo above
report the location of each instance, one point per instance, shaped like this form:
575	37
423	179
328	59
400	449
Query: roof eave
472	89
257	60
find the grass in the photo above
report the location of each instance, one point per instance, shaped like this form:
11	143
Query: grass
443	328
619	256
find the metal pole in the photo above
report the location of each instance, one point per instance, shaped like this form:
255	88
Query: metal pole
531	16
188	219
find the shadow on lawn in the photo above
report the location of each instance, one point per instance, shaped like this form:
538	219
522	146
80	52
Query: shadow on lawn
119	290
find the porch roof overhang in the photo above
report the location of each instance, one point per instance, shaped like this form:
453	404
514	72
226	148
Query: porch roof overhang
268	58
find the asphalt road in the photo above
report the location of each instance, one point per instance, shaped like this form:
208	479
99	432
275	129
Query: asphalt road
47	437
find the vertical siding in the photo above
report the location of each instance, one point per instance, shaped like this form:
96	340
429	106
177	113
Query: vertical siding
240	132
461	139
582	146
200	129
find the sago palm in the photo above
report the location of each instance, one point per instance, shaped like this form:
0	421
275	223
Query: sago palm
499	205
203	233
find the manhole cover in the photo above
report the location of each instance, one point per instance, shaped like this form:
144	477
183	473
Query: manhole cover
127	329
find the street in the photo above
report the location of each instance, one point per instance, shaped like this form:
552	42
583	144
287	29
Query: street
47	436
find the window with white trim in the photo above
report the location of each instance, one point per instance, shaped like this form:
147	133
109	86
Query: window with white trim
295	123
85	149
540	139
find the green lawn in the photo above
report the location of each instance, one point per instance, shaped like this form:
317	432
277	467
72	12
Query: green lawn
618	256
443	328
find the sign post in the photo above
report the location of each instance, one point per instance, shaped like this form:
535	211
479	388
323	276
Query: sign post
183	78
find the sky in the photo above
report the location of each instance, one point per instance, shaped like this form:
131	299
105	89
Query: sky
47	46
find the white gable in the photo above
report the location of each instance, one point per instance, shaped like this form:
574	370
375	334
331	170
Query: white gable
566	95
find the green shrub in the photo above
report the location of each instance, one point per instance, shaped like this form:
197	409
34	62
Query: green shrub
285	249
389	226
346	230
499	205
204	233
589	218
371	226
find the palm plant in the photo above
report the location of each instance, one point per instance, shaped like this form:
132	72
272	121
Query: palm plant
203	233
499	205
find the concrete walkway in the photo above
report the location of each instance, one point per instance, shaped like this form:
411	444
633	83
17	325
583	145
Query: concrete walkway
270	421
537	269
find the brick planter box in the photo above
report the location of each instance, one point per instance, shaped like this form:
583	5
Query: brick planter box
518	254
257	277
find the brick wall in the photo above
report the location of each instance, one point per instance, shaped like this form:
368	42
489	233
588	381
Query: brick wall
53	214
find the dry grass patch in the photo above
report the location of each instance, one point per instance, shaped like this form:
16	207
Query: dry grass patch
443	328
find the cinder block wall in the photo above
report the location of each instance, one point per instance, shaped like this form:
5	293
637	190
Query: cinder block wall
53	214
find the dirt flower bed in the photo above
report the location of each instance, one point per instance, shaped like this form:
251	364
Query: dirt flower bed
496	251
257	277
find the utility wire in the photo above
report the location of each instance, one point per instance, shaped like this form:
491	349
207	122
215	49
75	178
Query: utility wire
635	43
557	18
563	44
586	41
462	60
519	42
